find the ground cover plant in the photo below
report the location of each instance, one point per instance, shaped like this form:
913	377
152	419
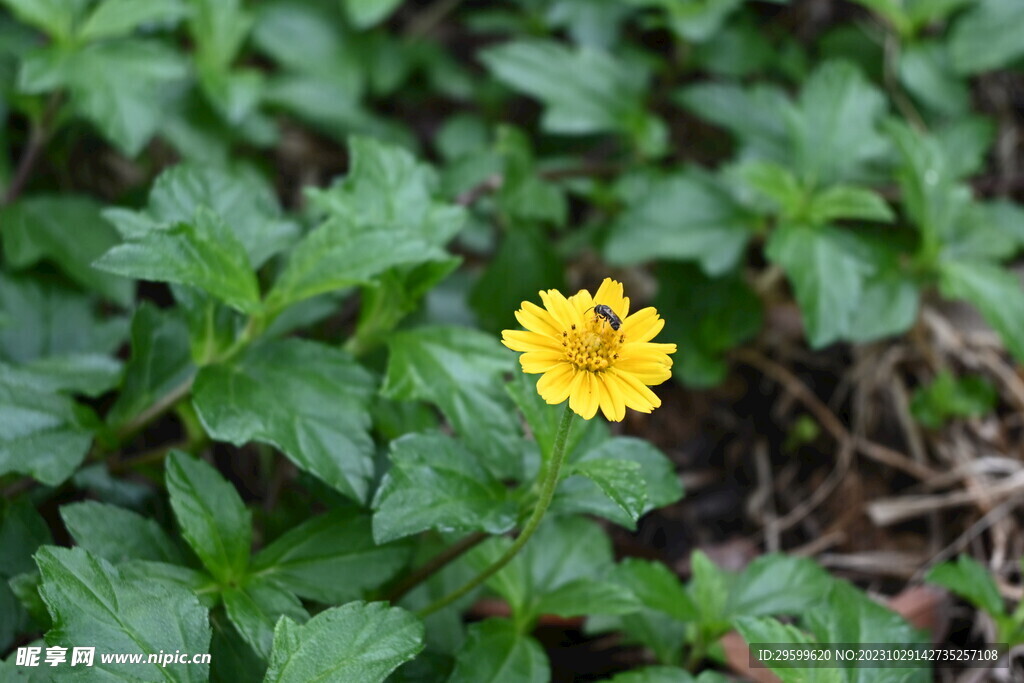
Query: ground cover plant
353	340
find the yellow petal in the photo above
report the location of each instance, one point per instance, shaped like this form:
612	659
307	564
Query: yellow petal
536	319
610	294
648	372
535	362
519	340
638	396
612	404
582	302
554	386
642	326
563	312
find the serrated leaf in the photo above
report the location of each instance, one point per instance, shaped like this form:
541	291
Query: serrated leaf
121	86
436	483
620	480
68	230
495	652
239	195
52	321
213	519
687	217
585	90
848	202
307	399
765	630
44	435
357	643
160	363
382	215
113	18
117	534
203	253
778	584
458	370
587	596
656	587
709	317
367	13
331	558
91	602
55	17
828	275
997	293
986	36
971	581
254	609
926	69
87	374
660	483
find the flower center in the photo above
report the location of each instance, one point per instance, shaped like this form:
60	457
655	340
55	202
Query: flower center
594	347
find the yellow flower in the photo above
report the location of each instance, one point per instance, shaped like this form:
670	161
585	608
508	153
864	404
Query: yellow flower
587	361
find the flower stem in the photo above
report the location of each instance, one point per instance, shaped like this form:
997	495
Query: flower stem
549	482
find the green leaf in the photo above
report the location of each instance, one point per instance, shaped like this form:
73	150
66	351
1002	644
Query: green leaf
971	581
219	28
584	90
656	587
254	609
113	18
159	366
68	230
458	369
926	69
436	483
757	116
307	399
694	20
655	674
847	615
357	643
827	273
687	217
22	531
848	202
620	480
524	264
776	183
331	558
204	253
660	485
544	420
835	136
91	602
778	584
242	198
986	36
50	320
367	13
122	86
117	534
495	652
382	215
709	316
42	434
586	596
765	630
888	305
709	592
82	373
948	396
55	17
996	292
213	519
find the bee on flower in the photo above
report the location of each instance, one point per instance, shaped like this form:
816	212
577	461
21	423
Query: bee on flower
592	352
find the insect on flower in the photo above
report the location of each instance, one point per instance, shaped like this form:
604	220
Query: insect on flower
608	314
596	361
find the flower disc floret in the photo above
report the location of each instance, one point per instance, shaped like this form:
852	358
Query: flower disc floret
582	358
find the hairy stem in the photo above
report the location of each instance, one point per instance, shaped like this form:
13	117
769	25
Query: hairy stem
549	477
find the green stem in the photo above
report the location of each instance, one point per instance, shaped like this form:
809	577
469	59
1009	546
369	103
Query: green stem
550	476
